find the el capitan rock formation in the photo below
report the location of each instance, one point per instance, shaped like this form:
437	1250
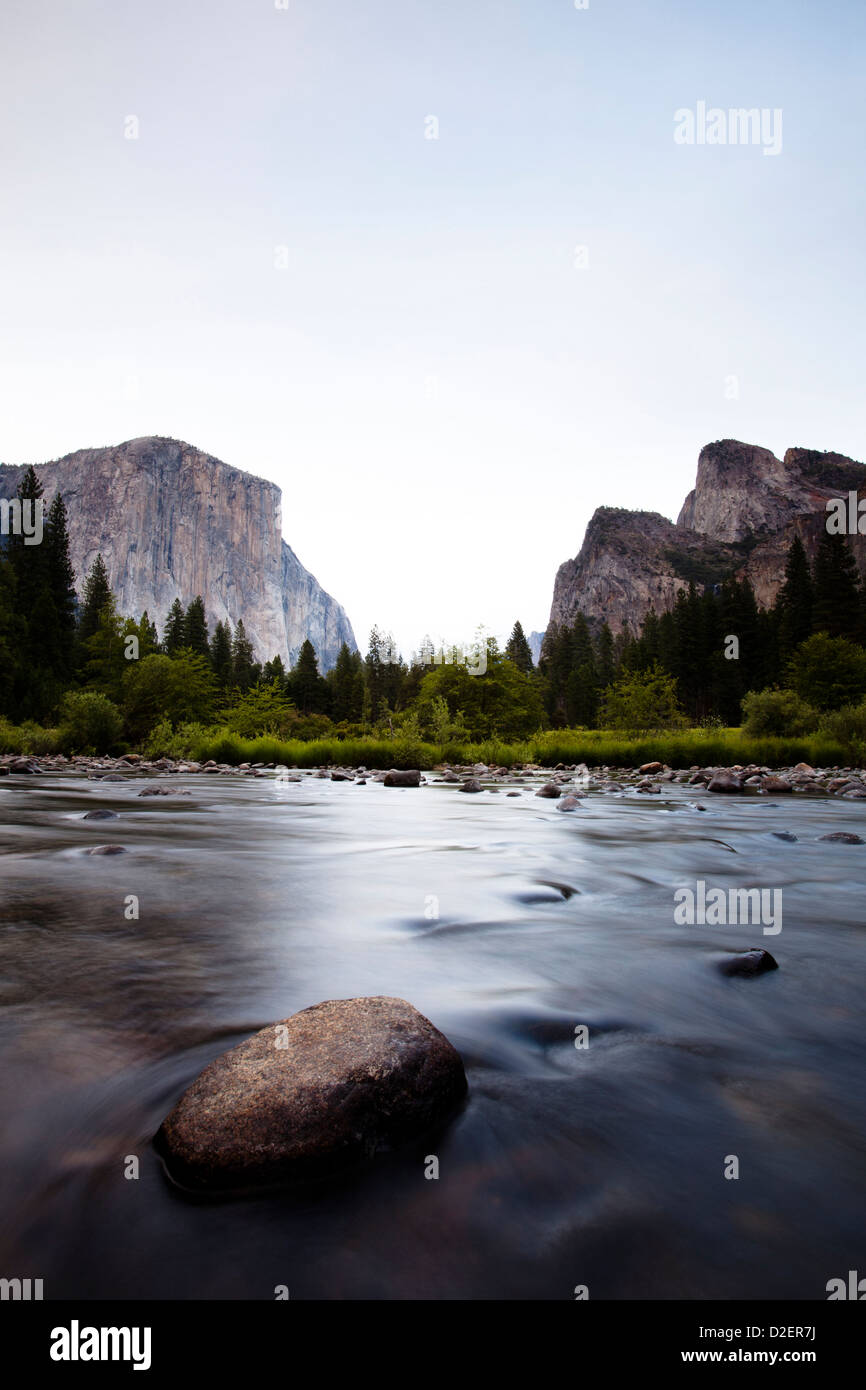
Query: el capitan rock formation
172	522
740	519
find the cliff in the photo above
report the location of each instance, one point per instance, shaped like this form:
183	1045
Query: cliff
172	522
739	519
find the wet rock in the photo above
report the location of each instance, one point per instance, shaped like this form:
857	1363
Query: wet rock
569	803
785	835
347	777
755	961
649	768
549	789
471	785
4	771
512	793
24	765
804	767
724	782
102	814
107	849
396	778
315	1094
843	837
776	784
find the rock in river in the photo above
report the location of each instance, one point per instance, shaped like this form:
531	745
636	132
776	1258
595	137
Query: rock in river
752	962
549	789
402	779
843	837
102	814
311	1095
725	782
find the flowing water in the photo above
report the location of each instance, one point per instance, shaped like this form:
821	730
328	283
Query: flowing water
510	925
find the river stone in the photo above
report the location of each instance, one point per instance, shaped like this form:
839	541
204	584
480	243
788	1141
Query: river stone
650	767
107	849
102	814
724	782
843	837
402	779
314	1094
471	784
569	803
549	789
755	961
776	784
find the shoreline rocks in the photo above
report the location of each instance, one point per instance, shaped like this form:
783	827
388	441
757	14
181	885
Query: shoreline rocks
313	1095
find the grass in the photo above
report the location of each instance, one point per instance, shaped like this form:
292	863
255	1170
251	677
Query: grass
595	747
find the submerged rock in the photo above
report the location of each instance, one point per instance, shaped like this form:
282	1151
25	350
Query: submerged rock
755	961
107	849
549	789
102	814
471	785
569	803
311	1095
843	837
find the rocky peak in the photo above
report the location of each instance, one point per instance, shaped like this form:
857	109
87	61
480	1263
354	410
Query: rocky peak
172	521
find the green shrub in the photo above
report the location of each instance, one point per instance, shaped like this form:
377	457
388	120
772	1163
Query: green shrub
777	712
89	723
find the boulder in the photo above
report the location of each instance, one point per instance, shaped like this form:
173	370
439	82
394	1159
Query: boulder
102	814
843	837
549	789
725	782
755	961
471	785
776	785
569	803
312	1095
649	768
402	779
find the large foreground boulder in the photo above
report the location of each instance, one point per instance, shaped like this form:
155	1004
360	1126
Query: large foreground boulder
312	1095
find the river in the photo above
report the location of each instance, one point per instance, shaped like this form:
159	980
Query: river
511	925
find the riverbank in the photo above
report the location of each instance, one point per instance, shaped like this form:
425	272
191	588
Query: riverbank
561	778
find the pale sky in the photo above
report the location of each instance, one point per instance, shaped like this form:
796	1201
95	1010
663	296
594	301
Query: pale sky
442	393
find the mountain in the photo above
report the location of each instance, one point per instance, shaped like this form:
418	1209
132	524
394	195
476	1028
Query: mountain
740	519
172	522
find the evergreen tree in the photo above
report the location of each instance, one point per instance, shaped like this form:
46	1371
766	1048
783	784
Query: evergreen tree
61	578
517	649
581	692
306	687
221	654
174	639
243	662
605	659
195	628
836	582
794	601
346	681
97	593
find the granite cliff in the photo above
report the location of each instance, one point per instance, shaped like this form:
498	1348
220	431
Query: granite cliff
740	519
172	522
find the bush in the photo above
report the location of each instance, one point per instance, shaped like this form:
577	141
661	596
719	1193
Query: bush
641	702
829	672
847	726
777	712
89	723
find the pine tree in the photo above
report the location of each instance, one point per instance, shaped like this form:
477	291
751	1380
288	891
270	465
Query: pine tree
97	593
221	654
794	601
195	628
837	589
61	578
243	662
346	682
174	639
581	693
306	687
517	649
604	657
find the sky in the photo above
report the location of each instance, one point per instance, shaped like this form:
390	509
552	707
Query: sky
440	270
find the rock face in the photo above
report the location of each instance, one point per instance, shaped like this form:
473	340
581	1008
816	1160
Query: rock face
314	1094
745	509
172	522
